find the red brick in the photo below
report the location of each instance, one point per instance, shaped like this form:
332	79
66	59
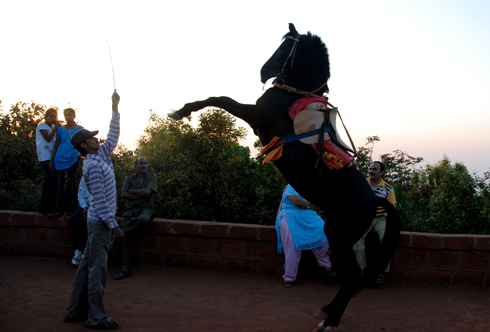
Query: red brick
24	219
66	224
179	260
267	233
147	242
469	278
394	260
229	247
200	246
4	249
412	258
405	240
482	242
444	259
216	230
61	237
267	266
475	260
50	251
435	277
190	228
38	235
427	241
22	249
209	263
240	231
153	258
12	234
258	249
169	243
459	242
238	265
158	226
404	275
53	222
5	217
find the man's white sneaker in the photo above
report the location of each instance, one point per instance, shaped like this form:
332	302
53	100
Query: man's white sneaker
76	259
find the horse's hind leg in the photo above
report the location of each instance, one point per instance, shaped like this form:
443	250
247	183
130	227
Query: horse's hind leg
332	313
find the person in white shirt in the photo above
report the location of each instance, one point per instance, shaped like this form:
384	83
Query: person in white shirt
45	138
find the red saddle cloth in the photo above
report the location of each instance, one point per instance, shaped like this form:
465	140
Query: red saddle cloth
333	156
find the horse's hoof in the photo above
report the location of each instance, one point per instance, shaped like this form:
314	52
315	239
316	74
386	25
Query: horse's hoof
175	116
321	314
321	328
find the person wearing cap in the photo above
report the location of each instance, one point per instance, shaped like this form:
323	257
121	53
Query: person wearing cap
139	190
86	300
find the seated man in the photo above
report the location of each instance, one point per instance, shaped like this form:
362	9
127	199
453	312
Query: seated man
139	190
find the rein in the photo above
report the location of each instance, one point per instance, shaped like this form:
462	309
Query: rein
294	90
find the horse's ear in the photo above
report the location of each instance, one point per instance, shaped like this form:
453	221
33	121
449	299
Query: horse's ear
292	29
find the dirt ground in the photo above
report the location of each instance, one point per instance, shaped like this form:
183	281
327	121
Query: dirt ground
34	295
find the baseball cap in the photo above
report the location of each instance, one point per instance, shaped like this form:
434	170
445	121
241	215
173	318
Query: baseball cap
81	135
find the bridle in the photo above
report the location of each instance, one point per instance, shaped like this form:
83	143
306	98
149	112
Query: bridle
291	55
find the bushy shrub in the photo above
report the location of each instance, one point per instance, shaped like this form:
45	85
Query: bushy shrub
204	174
21	173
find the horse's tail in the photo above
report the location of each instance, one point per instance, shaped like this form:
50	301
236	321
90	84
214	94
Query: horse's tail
387	248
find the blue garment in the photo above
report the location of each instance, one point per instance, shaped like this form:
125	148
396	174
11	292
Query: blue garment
305	225
66	155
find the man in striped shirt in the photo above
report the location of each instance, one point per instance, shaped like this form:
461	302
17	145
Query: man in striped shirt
385	191
86	301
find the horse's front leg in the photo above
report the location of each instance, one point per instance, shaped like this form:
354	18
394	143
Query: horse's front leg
243	111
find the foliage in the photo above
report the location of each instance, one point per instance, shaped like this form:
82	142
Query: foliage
365	154
204	174
21	173
123	163
451	200
440	198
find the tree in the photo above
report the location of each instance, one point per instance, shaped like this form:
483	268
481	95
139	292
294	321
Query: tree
204	173
365	158
21	177
451	200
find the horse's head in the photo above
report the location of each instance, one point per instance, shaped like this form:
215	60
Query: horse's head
301	62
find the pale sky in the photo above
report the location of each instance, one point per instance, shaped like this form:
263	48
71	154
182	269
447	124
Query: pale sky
416	73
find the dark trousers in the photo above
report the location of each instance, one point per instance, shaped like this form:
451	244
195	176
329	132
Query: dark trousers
132	224
48	196
67	200
78	227
90	280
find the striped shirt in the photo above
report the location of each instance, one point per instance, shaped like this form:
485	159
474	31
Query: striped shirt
99	177
386	191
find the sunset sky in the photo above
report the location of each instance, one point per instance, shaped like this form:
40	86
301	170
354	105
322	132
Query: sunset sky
416	73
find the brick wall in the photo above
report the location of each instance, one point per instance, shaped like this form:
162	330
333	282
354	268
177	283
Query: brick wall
420	257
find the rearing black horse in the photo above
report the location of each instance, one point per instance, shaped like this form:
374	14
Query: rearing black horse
343	194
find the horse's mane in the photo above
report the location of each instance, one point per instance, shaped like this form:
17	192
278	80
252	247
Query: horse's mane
322	51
